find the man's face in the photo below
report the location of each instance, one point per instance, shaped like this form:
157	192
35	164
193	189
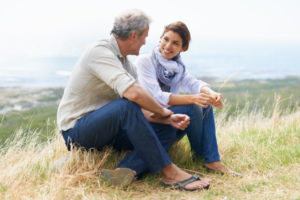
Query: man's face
138	42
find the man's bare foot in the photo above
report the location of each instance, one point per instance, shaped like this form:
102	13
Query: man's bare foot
220	167
173	174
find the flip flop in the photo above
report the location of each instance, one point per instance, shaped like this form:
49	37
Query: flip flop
181	185
220	172
120	177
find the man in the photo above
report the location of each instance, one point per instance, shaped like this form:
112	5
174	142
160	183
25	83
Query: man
102	105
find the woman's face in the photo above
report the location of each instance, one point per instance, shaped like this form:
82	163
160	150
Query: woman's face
170	44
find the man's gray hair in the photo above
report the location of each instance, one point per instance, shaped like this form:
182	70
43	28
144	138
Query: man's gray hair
129	22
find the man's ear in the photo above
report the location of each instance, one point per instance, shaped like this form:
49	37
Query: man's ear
133	35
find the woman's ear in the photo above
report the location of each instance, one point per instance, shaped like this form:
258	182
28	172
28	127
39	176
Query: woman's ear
184	49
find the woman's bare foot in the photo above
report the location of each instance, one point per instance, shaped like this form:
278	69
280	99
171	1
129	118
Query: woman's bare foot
173	174
220	167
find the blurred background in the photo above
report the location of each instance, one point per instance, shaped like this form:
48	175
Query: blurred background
252	39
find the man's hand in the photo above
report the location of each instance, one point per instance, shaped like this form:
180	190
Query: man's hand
164	114
179	121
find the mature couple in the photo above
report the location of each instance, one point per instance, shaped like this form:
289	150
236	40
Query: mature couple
110	101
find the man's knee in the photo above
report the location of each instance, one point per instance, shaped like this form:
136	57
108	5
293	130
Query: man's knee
128	104
128	109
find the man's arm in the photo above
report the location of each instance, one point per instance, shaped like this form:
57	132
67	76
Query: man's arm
179	121
140	96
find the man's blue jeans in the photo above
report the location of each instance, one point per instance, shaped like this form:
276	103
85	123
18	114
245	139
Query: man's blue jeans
122	124
201	132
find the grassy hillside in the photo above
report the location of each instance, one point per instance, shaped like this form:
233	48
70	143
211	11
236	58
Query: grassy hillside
258	134
35	109
29	110
265	149
261	94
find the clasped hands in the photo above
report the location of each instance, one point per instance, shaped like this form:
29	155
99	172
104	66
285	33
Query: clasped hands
211	98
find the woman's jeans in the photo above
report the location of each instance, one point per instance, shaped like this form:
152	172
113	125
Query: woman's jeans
121	124
201	132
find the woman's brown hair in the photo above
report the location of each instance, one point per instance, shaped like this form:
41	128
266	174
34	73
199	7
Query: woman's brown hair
182	30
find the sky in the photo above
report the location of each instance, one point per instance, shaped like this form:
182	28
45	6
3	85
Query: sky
67	27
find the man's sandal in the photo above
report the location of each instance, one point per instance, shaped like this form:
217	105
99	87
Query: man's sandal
120	177
181	185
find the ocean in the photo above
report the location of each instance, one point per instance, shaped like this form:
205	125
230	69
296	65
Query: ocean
235	61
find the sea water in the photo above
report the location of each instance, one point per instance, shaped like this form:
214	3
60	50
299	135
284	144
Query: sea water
226	60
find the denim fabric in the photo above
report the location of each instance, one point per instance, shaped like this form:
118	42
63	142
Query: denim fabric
122	124
167	136
201	132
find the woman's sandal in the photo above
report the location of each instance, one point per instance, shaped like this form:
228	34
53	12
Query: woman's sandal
181	185
120	177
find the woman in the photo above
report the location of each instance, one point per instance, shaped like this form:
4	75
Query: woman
163	74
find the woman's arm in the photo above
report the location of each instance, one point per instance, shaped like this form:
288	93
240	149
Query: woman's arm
148	80
201	99
190	84
206	97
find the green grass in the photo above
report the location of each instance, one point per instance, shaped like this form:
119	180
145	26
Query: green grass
265	149
245	95
41	119
258	135
261	94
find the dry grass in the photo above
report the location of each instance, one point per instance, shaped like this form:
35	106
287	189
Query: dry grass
265	149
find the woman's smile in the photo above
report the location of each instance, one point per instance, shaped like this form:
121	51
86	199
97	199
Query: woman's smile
170	44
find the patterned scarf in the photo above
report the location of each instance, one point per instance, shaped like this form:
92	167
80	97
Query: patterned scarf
169	72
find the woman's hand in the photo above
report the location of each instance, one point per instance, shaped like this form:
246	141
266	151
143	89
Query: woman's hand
202	99
217	99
